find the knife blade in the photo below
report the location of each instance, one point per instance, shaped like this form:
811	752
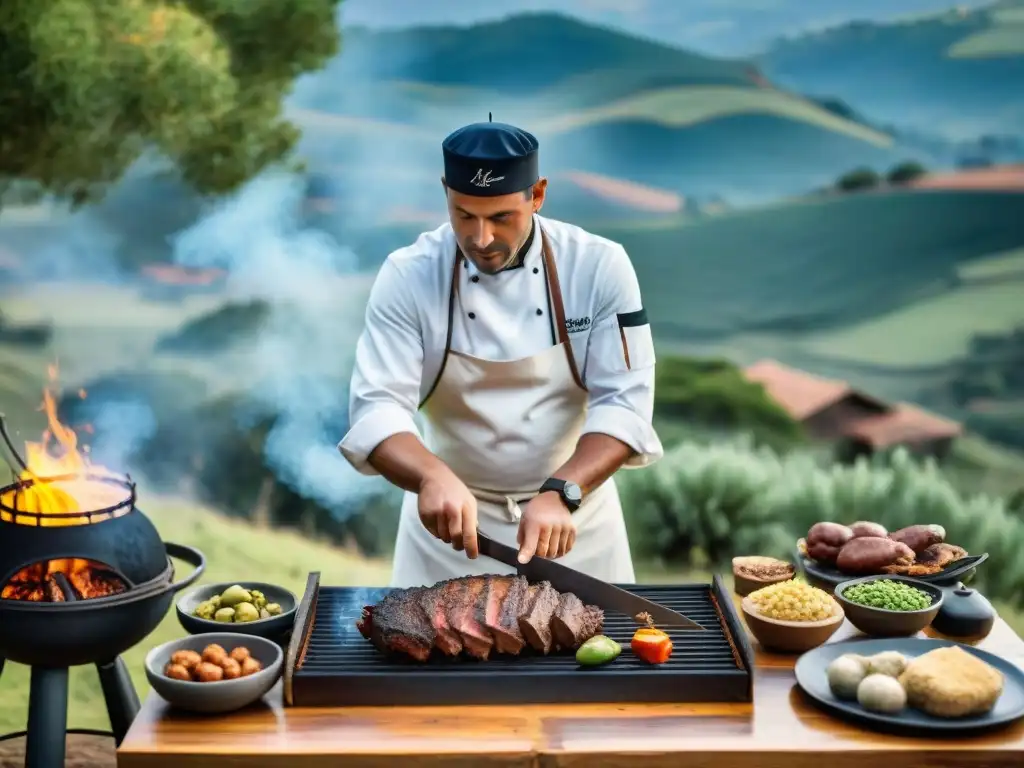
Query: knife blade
588	589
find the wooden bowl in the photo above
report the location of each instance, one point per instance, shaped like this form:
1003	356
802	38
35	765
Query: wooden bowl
790	636
744	585
879	622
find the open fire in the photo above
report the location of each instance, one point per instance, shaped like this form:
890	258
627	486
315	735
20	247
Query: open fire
57	486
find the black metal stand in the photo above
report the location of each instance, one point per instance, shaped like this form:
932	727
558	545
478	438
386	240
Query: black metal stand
47	718
48	710
120	696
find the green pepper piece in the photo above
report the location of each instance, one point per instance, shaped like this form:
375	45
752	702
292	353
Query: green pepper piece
598	650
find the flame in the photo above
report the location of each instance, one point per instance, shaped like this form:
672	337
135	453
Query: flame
58	454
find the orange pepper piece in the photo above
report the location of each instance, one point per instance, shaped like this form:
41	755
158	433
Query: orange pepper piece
651	644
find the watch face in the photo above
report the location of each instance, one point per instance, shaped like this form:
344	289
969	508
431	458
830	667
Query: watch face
573	492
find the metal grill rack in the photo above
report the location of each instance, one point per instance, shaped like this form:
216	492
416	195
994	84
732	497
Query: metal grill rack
331	664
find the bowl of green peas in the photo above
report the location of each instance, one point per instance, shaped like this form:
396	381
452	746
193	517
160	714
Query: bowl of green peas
889	606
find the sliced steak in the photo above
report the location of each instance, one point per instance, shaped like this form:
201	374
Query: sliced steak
503	602
574	623
466	605
434	602
397	624
535	621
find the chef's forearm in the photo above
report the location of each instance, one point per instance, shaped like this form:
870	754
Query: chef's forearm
596	458
404	461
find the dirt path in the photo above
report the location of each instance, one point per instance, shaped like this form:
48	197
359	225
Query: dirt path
82	752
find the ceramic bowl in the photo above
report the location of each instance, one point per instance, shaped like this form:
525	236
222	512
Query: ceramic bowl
789	636
222	696
744	585
879	622
274	628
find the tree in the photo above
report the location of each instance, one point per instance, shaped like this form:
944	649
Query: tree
87	88
905	172
859	178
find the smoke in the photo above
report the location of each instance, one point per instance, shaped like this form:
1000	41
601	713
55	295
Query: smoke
298	365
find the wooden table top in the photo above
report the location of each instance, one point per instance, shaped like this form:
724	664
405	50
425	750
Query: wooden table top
780	730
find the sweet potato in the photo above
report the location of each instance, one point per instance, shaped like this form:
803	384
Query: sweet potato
870	554
825	539
863	528
919	537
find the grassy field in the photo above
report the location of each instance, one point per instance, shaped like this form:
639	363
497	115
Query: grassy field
685	106
237	551
935	330
1004	38
815	264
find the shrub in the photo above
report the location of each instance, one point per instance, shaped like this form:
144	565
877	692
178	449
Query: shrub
730	499
714	395
859	178
904	172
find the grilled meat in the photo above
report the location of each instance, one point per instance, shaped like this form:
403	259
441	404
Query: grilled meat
466	613
436	602
574	622
479	615
503	602
930	561
535	622
398	623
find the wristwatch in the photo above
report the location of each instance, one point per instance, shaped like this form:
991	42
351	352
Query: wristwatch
569	492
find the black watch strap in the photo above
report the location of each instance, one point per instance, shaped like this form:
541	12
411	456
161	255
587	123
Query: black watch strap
569	492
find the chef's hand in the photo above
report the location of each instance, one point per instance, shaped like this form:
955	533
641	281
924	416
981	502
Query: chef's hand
448	510
546	528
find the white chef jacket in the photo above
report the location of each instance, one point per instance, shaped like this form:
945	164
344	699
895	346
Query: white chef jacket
502	317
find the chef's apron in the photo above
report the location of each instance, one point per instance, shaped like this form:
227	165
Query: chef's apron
504	427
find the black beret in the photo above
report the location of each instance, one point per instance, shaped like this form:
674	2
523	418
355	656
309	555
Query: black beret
490	159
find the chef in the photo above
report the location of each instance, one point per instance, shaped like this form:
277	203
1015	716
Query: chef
525	344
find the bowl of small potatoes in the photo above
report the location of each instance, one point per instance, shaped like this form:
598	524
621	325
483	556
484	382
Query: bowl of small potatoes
214	673
791	616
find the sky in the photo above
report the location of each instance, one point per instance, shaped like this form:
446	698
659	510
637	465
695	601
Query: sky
720	27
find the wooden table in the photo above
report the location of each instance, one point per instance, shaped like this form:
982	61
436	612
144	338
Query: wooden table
780	730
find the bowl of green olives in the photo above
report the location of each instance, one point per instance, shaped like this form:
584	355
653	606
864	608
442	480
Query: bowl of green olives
245	608
889	605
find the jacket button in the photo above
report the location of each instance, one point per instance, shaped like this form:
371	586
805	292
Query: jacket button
472	315
475	278
535	270
540	312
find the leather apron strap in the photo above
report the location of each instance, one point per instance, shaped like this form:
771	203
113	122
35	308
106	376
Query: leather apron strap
557	304
556	311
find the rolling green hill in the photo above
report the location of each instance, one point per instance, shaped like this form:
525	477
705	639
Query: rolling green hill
813	265
955	73
1003	37
629	107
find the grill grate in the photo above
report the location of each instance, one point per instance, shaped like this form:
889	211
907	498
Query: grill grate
341	668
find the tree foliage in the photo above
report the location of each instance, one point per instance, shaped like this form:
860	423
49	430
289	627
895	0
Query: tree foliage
905	172
86	88
858	179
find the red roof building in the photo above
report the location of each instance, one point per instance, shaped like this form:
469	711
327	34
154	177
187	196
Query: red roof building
832	410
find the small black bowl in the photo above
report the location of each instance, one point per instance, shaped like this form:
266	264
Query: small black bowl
275	628
880	622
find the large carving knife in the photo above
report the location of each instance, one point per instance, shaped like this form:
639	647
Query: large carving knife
586	588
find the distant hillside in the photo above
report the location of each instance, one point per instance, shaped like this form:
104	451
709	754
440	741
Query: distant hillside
959	73
601	101
813	265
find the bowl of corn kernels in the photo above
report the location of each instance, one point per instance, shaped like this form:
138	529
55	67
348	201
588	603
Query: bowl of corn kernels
792	616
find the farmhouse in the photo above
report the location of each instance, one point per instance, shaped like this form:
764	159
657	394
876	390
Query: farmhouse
858	423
